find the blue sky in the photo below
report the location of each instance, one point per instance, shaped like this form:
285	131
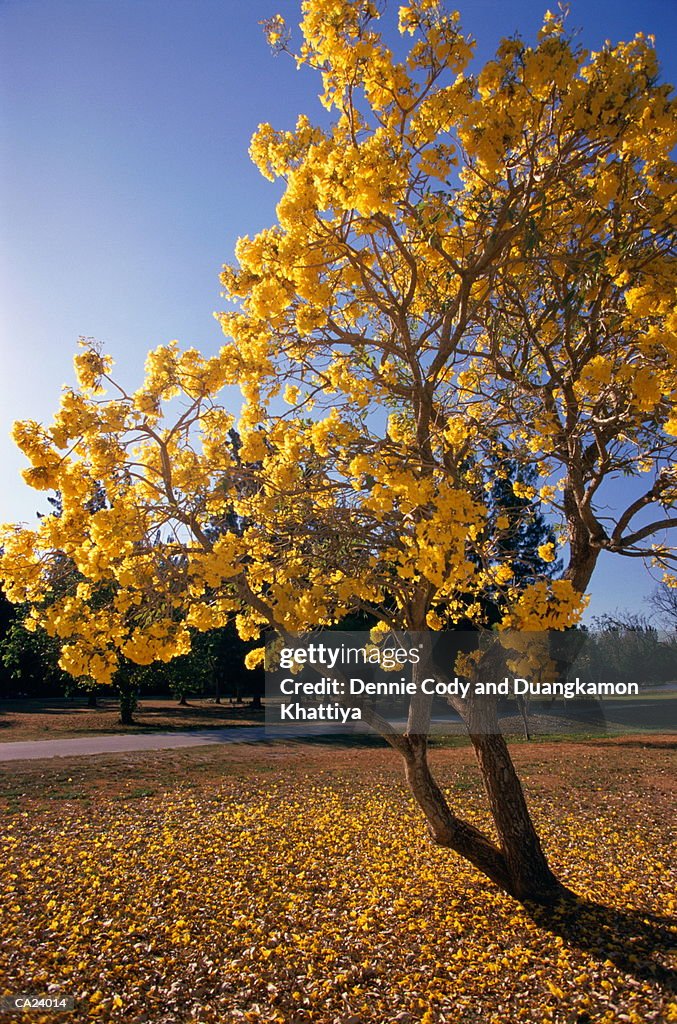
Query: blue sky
125	179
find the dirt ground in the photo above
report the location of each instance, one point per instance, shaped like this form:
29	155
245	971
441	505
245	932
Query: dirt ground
293	883
594	769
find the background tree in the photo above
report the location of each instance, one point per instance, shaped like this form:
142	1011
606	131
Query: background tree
470	275
664	601
29	659
627	647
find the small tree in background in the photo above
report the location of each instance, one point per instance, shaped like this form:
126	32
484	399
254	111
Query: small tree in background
664	601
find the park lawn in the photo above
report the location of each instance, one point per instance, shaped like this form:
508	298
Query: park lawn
295	883
59	718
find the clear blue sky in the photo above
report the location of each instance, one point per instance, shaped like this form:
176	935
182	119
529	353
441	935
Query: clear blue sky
125	179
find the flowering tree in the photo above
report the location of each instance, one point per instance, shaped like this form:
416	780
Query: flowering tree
468	273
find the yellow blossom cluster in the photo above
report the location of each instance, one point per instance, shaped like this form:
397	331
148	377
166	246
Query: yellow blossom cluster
468	273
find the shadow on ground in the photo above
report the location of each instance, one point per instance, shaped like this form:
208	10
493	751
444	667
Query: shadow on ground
639	944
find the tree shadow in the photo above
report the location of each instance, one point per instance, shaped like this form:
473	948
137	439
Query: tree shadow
637	943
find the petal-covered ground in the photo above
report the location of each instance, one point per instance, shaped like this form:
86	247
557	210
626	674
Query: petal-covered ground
310	892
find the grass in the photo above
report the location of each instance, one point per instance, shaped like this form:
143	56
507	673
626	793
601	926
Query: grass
59	718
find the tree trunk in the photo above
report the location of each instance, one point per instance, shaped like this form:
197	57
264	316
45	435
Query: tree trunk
445	828
182	701
128	703
91	699
126	686
528	869
518	864
126	713
523	705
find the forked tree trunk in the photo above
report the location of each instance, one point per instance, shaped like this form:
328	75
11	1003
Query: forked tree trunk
517	865
446	829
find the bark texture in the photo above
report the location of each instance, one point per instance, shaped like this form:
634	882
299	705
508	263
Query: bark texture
517	864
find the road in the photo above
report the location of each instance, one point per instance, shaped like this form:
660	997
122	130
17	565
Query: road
658	716
113	744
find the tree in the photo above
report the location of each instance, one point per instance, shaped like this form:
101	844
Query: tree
664	601
470	275
219	656
626	646
29	660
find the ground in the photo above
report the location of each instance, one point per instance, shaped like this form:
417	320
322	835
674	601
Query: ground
295	883
58	718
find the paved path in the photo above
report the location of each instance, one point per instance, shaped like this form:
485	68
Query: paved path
654	715
112	744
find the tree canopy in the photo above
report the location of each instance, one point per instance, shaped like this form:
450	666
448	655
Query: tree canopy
469	271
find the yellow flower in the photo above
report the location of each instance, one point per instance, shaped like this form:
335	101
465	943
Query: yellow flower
546	552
